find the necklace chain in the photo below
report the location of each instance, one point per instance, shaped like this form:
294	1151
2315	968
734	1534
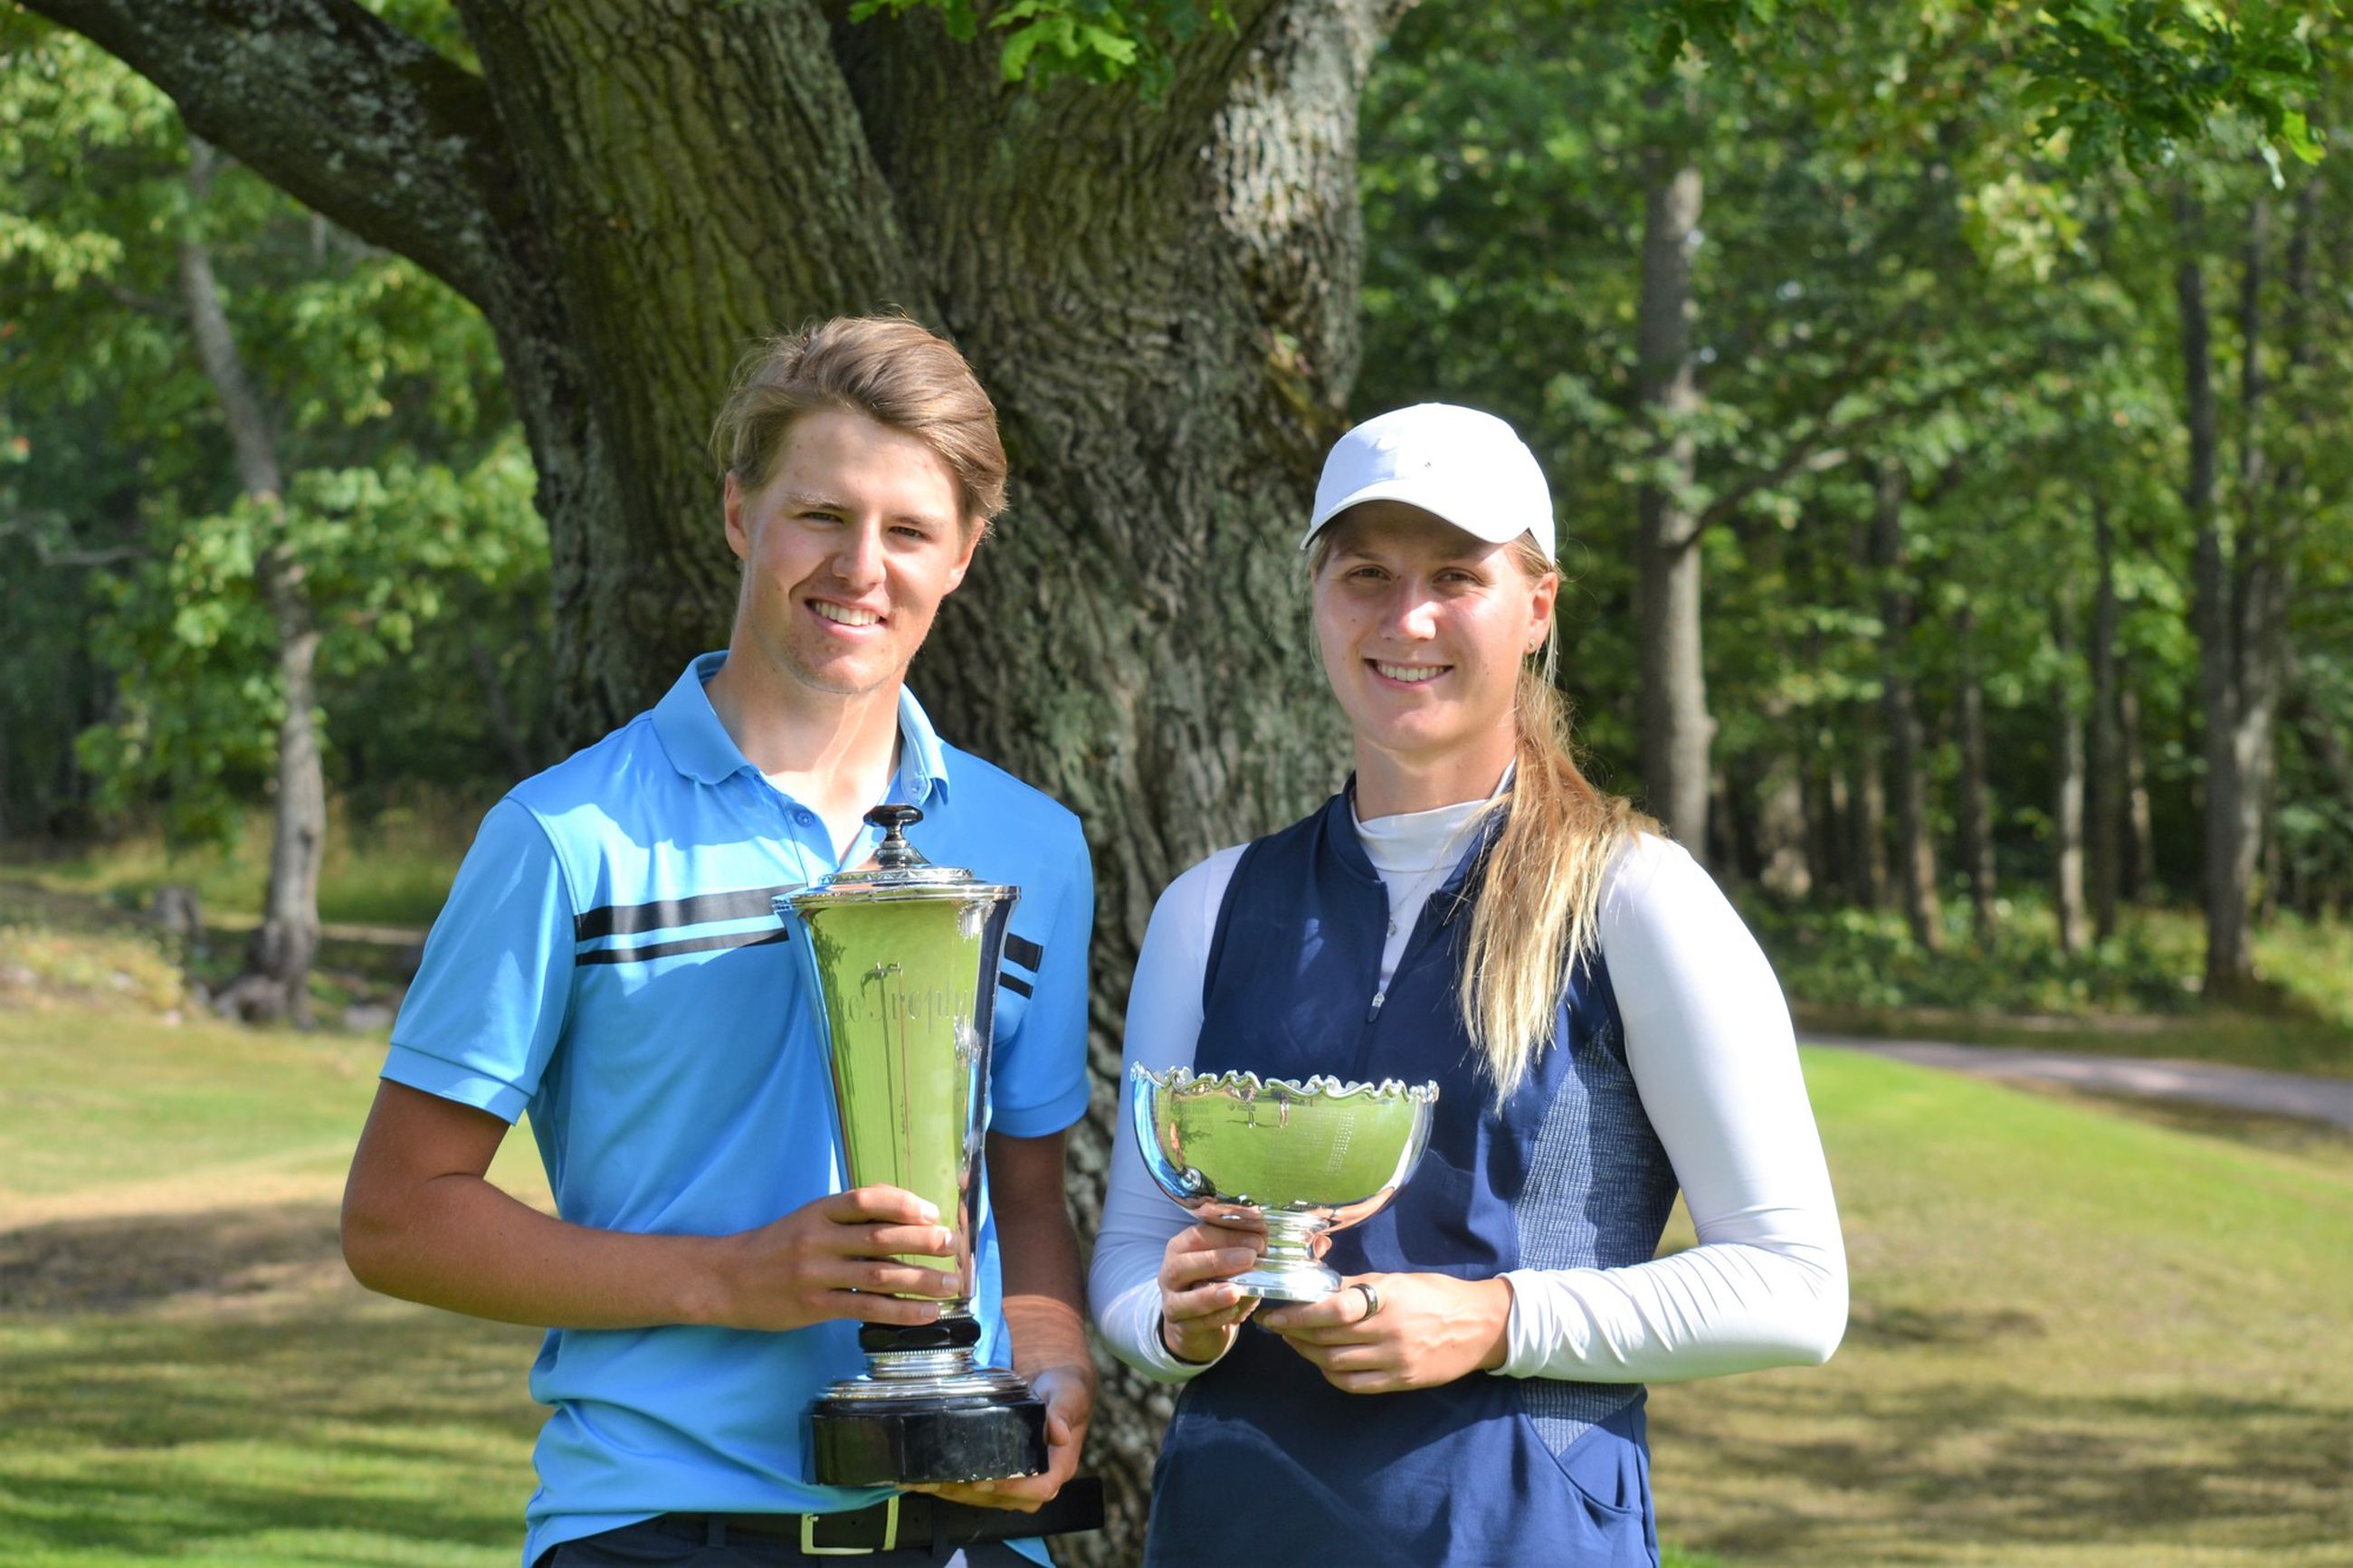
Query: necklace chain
1425	883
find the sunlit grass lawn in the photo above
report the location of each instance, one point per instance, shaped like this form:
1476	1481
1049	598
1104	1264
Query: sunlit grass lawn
2080	1337
189	1373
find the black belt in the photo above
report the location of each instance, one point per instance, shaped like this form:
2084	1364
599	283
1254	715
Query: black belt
912	1521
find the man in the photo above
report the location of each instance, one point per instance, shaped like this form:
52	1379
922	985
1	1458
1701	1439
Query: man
609	960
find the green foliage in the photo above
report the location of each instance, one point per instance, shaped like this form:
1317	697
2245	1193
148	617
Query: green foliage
194	641
1095	40
2140	81
136	559
2107	78
2310	964
1888	271
2145	77
1861	958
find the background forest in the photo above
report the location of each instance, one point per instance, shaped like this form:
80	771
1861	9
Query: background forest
1946	406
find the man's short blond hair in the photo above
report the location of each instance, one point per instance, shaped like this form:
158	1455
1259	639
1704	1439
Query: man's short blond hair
896	372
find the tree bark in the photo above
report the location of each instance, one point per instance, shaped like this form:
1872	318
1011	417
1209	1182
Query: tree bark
1677	730
2228	963
2105	837
1916	853
2066	787
1976	835
275	983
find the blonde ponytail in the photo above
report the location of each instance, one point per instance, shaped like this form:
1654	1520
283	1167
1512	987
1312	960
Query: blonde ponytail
1538	890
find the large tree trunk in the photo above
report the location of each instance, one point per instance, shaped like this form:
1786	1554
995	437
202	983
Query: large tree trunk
275	983
1977	834
2242	586
1908	746
1676	727
2066	785
2105	838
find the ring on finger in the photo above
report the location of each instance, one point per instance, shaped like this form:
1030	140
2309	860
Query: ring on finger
1372	1298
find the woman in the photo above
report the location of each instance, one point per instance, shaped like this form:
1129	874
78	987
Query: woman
1469	910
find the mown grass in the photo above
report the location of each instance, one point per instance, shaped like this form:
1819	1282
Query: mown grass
191	1376
2080	1337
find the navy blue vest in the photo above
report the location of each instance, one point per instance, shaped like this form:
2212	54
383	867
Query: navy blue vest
1265	1463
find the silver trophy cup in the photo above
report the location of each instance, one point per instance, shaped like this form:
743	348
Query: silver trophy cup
1288	1161
902	957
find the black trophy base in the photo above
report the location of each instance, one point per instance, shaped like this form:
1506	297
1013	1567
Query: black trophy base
868	1443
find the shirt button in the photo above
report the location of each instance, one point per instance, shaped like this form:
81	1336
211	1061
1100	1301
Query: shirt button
803	815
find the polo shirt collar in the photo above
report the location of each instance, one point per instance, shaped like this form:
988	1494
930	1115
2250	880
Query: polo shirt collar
699	746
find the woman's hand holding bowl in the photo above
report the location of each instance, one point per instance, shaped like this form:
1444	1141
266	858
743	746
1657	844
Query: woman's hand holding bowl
1200	1306
1379	1333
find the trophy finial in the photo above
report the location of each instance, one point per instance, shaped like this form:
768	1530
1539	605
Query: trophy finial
894	852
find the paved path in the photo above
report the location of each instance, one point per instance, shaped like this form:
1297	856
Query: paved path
2312	1098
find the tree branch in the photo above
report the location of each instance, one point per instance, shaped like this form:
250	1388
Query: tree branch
350	116
51	555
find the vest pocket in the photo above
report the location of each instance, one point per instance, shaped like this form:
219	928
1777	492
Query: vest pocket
1609	1475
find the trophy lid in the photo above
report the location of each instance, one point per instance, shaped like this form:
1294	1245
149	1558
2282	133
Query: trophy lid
897	870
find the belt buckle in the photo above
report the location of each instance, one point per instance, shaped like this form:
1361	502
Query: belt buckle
809	1548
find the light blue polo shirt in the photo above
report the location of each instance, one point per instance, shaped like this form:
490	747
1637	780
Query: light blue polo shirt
610	961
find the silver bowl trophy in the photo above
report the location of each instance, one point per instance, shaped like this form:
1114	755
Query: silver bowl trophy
902	957
1290	1161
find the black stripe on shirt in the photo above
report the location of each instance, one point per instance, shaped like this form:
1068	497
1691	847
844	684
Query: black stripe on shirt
1024	951
629	919
691	944
1015	983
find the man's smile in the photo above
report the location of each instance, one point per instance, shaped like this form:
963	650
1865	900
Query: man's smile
845	615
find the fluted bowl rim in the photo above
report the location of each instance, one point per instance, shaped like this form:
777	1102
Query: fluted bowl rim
1316	1086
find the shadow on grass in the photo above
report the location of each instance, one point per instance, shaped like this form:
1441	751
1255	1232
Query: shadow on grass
1871	1323
1947	1465
215	1379
122	1263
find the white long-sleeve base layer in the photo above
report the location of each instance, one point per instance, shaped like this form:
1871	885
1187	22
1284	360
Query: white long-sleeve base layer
1710	1046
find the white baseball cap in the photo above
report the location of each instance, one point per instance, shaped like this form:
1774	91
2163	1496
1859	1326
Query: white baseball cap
1456	463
